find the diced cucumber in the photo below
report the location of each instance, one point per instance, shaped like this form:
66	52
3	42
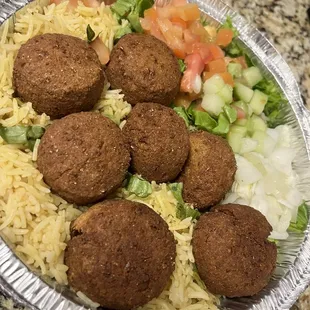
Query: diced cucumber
258	102
248	145
213	85
259	136
235	70
256	123
252	76
241	122
235	139
213	104
238	129
243	92
226	93
241	105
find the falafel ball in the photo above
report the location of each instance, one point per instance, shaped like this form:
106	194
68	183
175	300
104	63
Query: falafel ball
233	255
121	254
83	157
209	171
59	74
158	140
145	69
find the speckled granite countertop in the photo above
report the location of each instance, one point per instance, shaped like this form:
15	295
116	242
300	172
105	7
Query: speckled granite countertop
286	23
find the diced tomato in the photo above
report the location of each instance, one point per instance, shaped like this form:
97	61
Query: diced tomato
178	2
240	113
217	66
224	37
197	29
202	49
101	50
227	77
189	12
191	80
215	51
190	38
241	60
146	24
178	21
151	14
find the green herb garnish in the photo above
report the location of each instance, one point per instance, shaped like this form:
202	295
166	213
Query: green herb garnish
302	219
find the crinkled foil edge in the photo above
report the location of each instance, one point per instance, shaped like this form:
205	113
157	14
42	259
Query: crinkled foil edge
28	290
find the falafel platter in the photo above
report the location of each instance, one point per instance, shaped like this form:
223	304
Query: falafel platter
144	163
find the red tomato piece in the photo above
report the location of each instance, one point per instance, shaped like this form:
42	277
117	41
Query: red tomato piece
224	37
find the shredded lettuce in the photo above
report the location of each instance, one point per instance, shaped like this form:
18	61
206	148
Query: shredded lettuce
230	113
275	108
182	65
204	121
302	219
90	34
138	186
229	25
184	210
121	32
132	10
24	135
223	125
182	113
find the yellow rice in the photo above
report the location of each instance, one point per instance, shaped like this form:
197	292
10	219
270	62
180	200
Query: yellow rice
37	222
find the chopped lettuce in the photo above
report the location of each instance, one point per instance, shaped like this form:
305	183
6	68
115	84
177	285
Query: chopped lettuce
24	135
204	121
132	10
223	125
302	219
138	186
184	210
90	34
176	189
230	113
121	32
182	113
275	108
182	65
229	25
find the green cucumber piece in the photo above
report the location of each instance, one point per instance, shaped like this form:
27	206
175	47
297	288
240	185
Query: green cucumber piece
258	102
235	70
242	105
256	123
230	113
241	122
226	93
213	104
252	76
243	92
213	85
238	129
248	145
235	140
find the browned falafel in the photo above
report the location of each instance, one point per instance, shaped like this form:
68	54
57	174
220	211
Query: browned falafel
121	254
145	69
158	141
83	157
209	171
231	250
59	74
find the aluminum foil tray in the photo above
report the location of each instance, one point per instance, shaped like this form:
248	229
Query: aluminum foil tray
292	274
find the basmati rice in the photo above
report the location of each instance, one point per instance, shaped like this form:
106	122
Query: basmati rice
182	292
37	222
